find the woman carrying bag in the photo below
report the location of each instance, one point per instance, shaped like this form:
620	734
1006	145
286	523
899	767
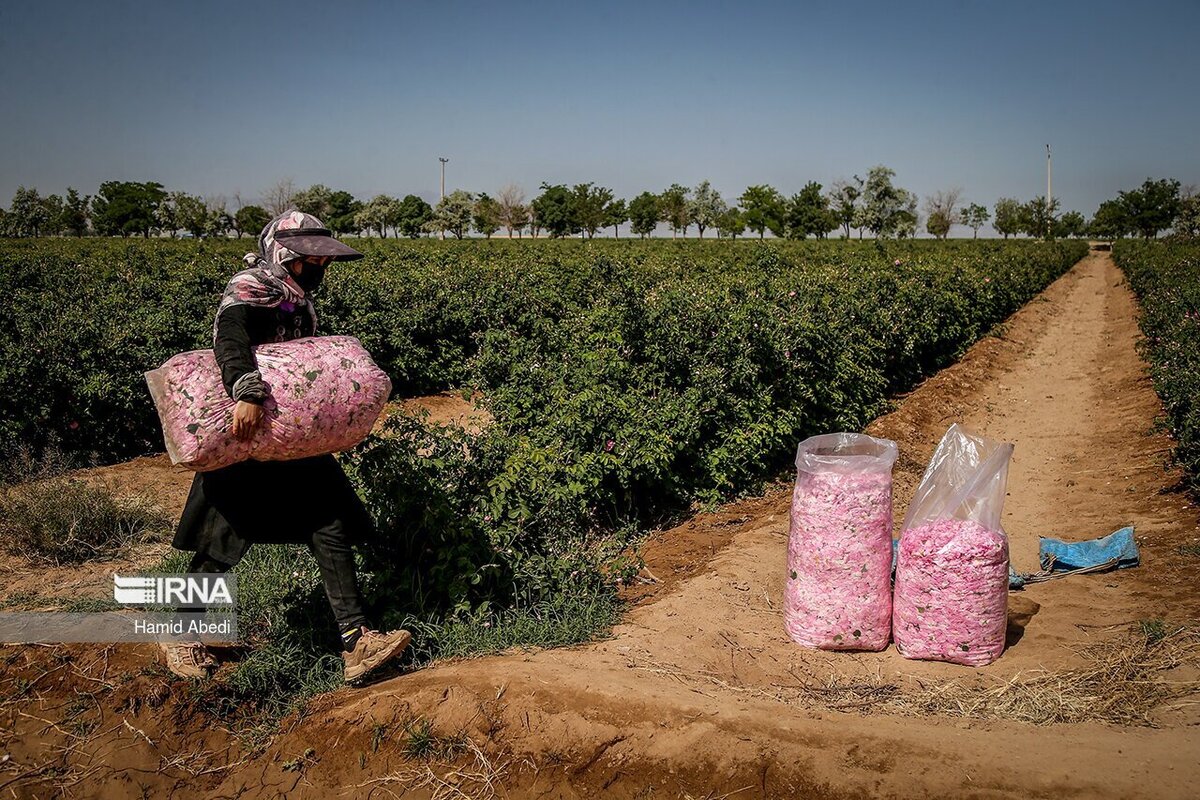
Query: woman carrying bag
306	501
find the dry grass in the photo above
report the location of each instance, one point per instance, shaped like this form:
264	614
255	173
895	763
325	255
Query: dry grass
51	514
64	520
478	779
1127	680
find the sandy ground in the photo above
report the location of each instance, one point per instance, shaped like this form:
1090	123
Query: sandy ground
698	693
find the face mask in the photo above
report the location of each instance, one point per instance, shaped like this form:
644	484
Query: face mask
310	278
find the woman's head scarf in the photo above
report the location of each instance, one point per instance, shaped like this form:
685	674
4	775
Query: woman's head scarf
268	282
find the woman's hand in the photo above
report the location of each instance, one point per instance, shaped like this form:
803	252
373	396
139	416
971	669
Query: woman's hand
246	417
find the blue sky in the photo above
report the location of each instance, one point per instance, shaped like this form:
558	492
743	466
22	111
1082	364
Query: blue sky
218	98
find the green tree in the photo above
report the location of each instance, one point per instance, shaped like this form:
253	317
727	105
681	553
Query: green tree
410	215
1039	220
166	216
453	213
554	210
485	215
938	224
589	203
250	219
731	223
316	200
1111	221
220	221
975	216
206	220
808	213
1008	217
343	213
27	214
942	212
74	214
1152	208
378	214
644	214
1187	222
674	210
616	214
1026	222
882	204
126	207
182	210
52	206
904	225
1070	225
843	200
705	207
763	209
535	224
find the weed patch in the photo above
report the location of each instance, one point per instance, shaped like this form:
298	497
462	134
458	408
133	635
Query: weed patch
66	520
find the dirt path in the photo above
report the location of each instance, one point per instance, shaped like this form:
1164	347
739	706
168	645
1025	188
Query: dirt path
699	693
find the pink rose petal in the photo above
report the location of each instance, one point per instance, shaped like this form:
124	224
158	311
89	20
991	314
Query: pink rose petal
951	600
326	394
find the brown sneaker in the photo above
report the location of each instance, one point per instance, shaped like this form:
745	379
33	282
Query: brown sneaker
188	659
372	650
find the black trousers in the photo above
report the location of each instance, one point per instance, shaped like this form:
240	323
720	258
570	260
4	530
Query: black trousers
335	559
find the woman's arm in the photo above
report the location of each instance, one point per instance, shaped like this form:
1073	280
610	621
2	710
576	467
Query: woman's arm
239	373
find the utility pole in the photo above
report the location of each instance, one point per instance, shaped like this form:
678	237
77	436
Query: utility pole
442	234
1049	204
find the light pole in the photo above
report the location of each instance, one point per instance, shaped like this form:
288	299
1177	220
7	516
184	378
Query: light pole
442	234
1049	204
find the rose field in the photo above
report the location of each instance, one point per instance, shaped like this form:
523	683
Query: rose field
581	489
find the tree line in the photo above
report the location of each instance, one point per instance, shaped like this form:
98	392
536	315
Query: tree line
872	205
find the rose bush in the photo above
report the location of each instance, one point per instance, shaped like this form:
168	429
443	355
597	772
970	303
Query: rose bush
1166	278
627	380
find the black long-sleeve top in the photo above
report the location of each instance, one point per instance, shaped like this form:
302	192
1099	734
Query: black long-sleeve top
241	327
228	508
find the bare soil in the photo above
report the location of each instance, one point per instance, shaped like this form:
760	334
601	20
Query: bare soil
698	692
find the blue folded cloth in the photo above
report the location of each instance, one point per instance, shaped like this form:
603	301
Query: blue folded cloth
1118	547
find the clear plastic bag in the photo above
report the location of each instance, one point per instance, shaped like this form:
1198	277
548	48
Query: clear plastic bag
325	395
838	594
951	595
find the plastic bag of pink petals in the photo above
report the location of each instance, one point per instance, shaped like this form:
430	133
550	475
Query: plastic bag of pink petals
951	594
838	594
325	395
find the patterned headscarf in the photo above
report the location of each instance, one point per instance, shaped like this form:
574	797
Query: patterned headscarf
268	282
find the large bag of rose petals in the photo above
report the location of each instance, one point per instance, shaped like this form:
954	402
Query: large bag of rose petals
951	598
838	594
325	394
